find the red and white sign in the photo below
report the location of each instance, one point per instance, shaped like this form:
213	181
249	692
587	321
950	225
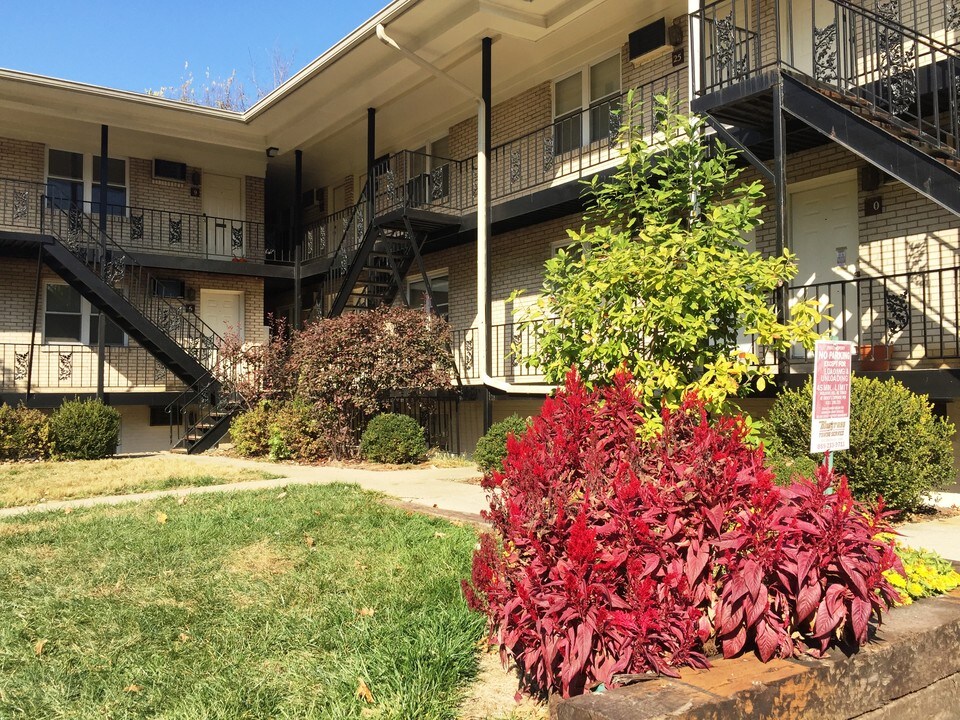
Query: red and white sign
832	364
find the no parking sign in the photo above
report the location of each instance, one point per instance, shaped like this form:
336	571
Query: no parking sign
830	426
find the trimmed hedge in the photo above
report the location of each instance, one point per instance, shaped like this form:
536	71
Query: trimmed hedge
492	447
84	430
898	448
24	434
393	438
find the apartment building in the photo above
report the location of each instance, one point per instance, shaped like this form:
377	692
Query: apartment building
438	162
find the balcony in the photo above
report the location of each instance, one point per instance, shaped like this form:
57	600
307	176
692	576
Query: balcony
72	368
563	152
23	205
898	322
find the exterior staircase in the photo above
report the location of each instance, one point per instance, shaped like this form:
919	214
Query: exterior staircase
878	87
111	279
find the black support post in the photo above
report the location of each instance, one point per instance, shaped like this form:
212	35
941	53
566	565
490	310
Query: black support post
298	240
371	159
102	318
33	328
486	83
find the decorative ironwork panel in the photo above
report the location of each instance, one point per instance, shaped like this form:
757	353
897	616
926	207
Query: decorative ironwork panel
159	372
360	222
437	175
613	128
516	167
726	33
136	227
896	61
474	182
549	155
468	355
322	236
236	238
21	365
115	269
175	232
825	53
953	15
391	186
74	228
170	320
21	204
65	366
897	310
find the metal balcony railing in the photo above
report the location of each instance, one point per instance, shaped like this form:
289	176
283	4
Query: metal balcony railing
567	150
67	367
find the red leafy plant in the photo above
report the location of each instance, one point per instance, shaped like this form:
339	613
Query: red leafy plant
614	554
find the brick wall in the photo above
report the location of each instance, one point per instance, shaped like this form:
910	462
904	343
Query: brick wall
146	191
22	160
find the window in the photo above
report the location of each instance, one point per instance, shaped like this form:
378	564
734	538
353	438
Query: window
430	173
596	87
74	177
70	318
116	185
440	285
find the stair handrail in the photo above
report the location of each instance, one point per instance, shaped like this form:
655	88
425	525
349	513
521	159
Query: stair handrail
899	27
124	257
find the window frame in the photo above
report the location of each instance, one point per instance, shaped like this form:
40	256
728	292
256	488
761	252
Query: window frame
432	275
586	104
87	313
87	182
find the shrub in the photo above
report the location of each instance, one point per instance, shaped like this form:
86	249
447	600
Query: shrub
924	573
304	432
612	553
250	430
393	438
784	467
898	449
24	434
84	430
354	362
492	447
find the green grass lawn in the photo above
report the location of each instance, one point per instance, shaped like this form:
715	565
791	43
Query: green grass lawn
29	483
249	605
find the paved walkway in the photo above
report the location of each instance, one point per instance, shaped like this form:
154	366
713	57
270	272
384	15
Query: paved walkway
439	490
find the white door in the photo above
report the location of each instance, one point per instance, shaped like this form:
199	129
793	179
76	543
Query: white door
223	206
825	234
222	311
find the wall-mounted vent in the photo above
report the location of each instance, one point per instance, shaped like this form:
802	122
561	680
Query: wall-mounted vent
169	170
648	39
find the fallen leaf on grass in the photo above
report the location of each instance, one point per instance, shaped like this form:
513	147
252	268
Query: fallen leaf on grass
309	541
439	535
161	518
182	500
67	510
38	648
132	688
363	692
366	612
183	637
282	495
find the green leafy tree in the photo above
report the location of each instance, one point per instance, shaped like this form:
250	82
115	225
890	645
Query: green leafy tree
659	278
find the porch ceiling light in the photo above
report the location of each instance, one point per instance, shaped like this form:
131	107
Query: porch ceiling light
272	152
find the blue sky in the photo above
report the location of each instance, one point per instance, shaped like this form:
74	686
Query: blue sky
135	45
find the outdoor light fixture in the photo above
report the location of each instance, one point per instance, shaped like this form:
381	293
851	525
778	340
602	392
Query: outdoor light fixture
272	152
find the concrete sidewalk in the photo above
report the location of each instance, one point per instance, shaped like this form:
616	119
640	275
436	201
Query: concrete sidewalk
437	490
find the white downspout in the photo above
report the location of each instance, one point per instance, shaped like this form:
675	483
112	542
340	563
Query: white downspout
483	225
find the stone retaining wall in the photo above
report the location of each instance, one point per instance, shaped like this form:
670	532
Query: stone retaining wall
911	669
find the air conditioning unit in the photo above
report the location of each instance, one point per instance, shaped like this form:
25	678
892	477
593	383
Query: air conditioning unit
649	39
314	199
169	170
